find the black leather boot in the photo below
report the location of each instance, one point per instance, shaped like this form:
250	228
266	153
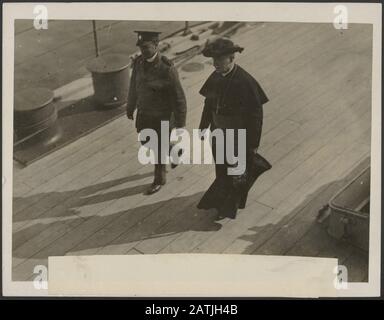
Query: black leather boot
160	179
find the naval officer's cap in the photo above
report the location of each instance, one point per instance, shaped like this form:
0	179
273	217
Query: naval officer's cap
144	36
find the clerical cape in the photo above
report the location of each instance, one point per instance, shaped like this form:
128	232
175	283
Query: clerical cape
236	96
233	101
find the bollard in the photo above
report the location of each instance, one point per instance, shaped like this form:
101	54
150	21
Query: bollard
110	77
35	117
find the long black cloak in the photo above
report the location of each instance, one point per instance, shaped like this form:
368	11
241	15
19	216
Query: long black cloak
236	95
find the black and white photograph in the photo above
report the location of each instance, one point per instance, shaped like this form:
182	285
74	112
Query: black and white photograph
186	136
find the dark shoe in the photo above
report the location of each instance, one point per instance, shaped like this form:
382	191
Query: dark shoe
153	189
174	165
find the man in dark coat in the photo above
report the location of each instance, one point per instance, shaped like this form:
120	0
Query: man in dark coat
233	100
155	91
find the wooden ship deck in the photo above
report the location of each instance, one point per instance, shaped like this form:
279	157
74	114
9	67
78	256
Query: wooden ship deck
87	198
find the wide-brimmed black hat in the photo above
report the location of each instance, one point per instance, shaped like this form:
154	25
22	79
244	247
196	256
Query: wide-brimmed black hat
220	47
143	36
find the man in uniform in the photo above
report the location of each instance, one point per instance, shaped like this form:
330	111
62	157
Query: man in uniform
155	91
233	100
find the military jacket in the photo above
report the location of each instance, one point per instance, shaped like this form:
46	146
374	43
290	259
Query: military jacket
155	90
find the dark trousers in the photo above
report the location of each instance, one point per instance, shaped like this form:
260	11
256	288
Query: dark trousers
160	174
154	123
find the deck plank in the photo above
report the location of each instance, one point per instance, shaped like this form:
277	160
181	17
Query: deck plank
290	152
31	204
76	210
156	226
107	213
220	240
151	214
323	156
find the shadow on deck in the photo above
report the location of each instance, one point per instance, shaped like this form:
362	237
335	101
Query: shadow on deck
121	227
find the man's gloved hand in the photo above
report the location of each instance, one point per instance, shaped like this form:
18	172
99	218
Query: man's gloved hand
130	115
